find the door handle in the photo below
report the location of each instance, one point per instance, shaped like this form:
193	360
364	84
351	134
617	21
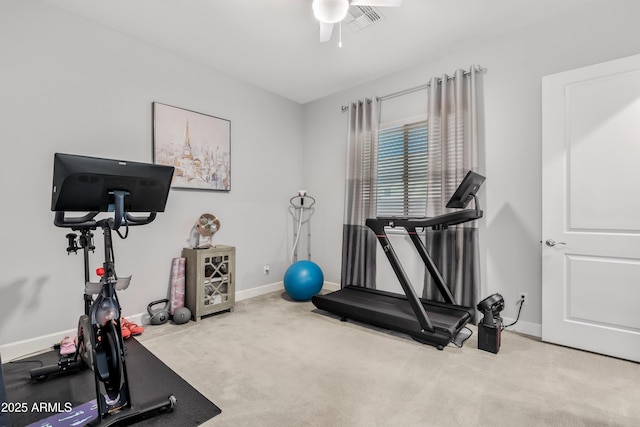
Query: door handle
552	243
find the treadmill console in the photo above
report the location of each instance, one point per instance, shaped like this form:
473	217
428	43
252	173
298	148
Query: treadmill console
466	190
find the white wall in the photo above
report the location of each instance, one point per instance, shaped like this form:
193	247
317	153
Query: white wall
69	85
515	64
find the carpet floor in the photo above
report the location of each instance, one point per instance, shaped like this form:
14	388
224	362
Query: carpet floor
276	362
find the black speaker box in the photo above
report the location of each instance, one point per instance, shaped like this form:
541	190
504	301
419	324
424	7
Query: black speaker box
489	337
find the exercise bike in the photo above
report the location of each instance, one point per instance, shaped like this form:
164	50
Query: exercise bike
100	344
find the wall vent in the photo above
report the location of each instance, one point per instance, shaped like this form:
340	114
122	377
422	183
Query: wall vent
360	17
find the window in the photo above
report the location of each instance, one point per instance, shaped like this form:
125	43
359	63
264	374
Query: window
402	169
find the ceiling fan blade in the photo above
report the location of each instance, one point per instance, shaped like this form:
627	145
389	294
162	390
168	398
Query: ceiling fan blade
377	3
325	31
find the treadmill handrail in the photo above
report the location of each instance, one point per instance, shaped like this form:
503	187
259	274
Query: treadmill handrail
378	225
412	297
431	266
410	224
439	221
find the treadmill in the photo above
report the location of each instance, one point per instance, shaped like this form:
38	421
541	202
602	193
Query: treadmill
427	321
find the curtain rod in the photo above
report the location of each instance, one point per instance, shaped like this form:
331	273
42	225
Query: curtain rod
478	68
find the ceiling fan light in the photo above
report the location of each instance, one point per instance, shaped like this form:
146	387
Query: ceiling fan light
330	11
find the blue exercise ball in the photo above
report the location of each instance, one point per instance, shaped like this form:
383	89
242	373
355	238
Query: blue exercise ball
303	279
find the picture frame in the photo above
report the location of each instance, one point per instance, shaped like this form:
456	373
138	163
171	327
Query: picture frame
197	145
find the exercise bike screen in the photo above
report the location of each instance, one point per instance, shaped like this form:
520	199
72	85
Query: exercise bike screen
82	183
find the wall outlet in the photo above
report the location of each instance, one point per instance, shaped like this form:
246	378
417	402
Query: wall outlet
524	297
266	269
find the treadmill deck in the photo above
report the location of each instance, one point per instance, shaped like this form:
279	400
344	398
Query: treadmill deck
393	311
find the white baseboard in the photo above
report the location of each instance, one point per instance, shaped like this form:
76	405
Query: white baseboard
330	286
528	328
274	287
260	290
20	349
42	343
31	346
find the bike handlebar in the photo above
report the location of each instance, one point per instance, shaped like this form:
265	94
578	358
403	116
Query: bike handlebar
88	221
120	216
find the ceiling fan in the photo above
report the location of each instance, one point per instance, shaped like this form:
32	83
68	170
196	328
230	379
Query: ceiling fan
329	12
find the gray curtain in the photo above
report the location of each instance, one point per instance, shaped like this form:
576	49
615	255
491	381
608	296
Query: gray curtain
358	241
453	151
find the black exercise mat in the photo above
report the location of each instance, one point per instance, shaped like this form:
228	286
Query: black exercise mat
150	382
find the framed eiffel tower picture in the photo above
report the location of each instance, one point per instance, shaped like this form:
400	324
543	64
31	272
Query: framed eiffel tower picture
197	145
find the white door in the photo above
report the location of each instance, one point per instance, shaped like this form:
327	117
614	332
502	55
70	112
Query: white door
591	208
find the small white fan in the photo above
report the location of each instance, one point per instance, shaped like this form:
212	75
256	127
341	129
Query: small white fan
205	227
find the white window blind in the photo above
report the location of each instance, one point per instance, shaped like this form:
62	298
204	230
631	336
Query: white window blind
401	188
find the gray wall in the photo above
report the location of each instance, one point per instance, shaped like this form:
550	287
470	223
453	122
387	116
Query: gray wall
511	155
69	85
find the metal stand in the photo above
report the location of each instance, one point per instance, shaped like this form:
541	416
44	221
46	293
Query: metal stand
299	204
